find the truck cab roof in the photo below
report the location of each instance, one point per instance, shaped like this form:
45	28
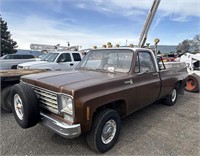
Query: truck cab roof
122	48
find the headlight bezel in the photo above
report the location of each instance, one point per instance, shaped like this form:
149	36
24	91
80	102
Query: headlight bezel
64	107
26	67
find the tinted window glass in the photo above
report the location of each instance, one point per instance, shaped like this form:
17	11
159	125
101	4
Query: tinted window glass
51	57
64	58
8	57
27	56
76	56
17	57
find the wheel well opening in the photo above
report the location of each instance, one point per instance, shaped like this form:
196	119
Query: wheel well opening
119	106
179	86
14	67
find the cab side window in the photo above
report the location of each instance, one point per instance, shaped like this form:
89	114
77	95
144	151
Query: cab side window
144	63
17	57
8	57
76	56
27	56
65	57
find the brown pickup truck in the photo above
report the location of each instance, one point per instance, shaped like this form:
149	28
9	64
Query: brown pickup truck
107	85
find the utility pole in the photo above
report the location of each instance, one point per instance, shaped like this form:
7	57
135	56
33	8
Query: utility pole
68	44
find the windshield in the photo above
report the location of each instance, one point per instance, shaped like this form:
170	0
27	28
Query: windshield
51	57
44	56
6	57
107	60
3	57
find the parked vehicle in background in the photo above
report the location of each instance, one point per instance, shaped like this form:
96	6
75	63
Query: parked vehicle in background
168	57
11	61
16	56
65	60
8	79
107	85
193	68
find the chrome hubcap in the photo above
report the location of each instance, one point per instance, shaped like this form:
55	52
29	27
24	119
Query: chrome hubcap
18	106
174	95
109	131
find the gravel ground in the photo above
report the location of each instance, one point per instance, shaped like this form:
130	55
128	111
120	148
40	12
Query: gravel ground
154	130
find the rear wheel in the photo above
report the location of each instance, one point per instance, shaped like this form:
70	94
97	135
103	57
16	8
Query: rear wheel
192	83
25	105
5	99
105	130
171	99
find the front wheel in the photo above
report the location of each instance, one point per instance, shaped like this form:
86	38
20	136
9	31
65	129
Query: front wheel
105	131
171	99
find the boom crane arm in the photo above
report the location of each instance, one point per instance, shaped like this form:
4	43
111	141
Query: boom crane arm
147	24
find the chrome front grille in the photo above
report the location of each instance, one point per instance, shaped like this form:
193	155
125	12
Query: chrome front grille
47	99
19	67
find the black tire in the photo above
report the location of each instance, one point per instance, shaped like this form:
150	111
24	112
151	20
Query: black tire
30	108
171	99
192	83
94	138
5	99
14	67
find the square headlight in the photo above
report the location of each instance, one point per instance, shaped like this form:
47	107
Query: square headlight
67	104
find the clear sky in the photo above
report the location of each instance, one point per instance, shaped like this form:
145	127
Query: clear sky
95	22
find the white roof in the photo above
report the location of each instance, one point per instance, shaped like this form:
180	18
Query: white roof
122	48
68	51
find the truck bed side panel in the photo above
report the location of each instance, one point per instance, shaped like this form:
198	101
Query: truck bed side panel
169	78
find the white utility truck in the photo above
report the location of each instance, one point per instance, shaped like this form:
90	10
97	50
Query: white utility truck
193	67
65	60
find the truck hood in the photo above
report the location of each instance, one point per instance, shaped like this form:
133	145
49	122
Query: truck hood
27	64
68	82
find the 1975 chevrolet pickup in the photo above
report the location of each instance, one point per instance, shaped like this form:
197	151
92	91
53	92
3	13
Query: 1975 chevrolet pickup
107	85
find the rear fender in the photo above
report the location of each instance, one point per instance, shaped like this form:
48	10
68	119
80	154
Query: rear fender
180	85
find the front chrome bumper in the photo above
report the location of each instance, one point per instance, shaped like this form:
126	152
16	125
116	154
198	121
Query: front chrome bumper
61	128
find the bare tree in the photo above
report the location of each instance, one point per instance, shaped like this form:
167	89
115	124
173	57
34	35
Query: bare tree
196	43
184	46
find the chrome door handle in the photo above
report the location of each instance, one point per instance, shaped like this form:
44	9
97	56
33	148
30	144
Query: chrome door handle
129	82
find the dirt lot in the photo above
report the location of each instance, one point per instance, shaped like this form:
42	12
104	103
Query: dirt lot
154	130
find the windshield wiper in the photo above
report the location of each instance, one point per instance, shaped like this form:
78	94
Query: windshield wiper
97	69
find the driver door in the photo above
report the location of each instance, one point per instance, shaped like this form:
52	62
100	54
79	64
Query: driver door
147	79
64	62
